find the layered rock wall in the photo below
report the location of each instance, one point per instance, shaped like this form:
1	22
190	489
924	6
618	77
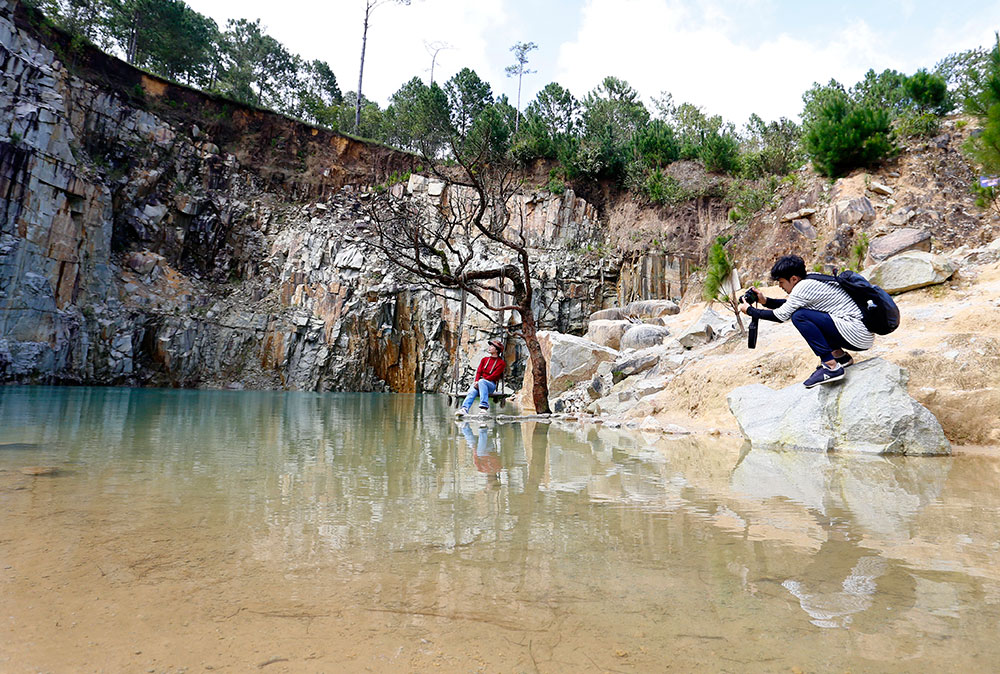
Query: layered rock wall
153	234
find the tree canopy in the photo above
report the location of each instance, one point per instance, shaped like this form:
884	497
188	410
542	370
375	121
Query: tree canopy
608	135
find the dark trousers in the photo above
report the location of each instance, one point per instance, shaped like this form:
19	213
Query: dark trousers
819	331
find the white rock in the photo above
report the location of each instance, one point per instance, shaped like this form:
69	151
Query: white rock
910	270
641	336
570	360
709	326
607	332
870	411
884	190
349	258
652	308
851	212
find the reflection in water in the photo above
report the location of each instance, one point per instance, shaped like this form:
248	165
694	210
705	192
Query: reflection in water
834	607
379	527
484	452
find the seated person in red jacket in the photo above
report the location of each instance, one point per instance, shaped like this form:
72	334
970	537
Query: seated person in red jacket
488	376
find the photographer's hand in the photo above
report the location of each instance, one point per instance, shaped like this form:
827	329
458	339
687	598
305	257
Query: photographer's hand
761	298
744	308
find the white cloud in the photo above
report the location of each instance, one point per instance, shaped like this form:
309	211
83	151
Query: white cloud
978	31
696	59
397	42
395	52
698	51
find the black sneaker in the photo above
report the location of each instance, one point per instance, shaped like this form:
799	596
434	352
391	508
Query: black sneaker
484	409
824	376
845	360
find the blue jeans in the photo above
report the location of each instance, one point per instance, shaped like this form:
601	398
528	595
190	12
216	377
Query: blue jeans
482	388
820	333
481	447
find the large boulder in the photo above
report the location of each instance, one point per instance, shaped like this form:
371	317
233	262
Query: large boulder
909	271
642	336
710	325
850	212
805	228
570	360
630	363
612	314
606	332
870	411
635	362
897	242
652	308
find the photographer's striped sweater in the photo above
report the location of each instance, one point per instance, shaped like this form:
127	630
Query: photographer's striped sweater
825	297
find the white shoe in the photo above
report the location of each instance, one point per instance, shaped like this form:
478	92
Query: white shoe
460	412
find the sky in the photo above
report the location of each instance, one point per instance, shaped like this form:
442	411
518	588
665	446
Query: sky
730	58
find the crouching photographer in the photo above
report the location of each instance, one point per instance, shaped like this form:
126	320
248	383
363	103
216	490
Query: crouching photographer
823	313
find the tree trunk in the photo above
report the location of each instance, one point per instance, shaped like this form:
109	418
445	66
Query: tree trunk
539	368
517	116
361	70
735	306
133	38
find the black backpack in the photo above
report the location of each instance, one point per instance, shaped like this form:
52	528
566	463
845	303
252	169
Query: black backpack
879	313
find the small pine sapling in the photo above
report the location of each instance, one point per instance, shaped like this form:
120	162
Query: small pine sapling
721	279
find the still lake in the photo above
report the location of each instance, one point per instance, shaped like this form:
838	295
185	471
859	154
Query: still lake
166	531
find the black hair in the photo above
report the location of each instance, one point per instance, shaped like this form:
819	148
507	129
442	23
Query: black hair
787	267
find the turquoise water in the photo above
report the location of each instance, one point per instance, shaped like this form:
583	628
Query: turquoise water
185	530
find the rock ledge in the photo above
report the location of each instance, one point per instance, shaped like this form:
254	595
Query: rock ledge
869	412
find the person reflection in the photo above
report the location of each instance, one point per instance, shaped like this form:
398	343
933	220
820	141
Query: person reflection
484	455
840	581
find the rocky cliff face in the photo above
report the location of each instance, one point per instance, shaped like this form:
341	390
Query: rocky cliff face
152	234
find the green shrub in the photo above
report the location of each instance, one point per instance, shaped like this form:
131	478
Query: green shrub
918	124
394	179
987	197
655	186
656	144
844	135
770	148
556	186
928	92
660	188
984	147
858	253
747	198
720	152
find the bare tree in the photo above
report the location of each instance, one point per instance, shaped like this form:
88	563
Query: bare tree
370	6
475	239
520	69
434	48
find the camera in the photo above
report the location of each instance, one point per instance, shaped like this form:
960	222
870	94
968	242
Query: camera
751	298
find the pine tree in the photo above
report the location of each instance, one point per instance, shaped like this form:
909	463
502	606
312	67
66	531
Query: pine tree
721	282
985	147
841	135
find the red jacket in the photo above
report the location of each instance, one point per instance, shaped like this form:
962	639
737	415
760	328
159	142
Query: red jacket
491	368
